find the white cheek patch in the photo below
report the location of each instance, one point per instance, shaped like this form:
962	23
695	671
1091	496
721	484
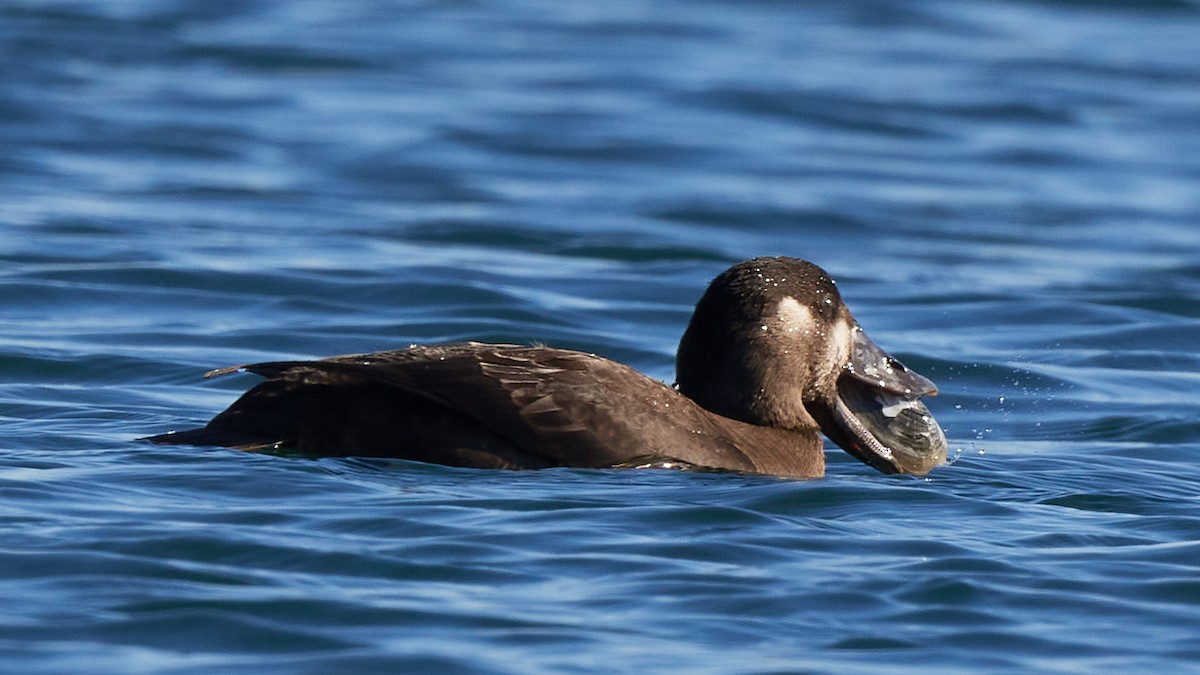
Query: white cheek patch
837	354
843	339
795	317
828	346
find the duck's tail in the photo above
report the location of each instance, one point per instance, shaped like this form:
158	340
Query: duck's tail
214	437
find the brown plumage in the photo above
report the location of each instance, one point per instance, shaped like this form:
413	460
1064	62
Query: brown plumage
759	371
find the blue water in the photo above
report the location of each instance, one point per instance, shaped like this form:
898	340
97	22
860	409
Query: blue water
1007	192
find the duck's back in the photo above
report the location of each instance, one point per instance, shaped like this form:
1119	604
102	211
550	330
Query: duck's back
499	406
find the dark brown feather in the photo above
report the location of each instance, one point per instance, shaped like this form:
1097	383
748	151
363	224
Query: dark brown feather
498	406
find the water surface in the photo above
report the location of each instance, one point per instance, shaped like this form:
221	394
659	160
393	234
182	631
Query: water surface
1007	194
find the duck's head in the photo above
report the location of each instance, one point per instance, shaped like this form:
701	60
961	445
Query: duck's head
771	343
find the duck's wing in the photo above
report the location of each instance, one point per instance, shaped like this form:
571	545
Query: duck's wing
550	406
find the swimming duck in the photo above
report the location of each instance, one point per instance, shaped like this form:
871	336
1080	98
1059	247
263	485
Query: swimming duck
771	358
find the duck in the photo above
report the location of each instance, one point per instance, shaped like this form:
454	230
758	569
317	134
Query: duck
771	359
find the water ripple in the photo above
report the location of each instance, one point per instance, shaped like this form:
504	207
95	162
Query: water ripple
1006	194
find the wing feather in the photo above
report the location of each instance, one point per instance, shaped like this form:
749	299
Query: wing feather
573	408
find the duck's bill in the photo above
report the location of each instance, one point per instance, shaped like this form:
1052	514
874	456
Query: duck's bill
878	415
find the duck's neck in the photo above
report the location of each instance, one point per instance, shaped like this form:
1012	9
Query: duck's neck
755	376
